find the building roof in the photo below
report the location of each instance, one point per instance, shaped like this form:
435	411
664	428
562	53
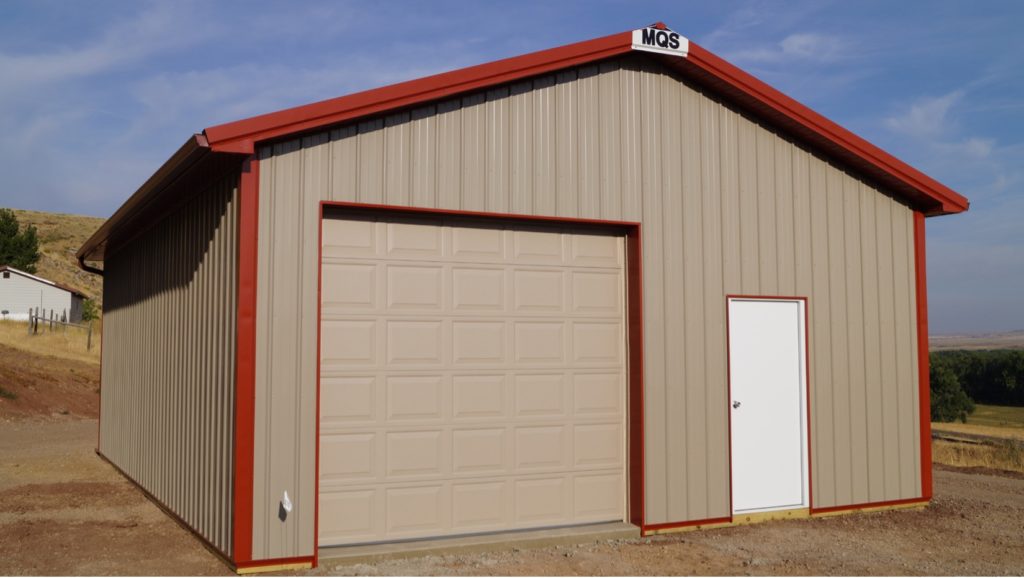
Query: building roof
692	62
76	292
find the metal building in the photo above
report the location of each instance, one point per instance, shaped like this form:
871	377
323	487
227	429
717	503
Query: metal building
22	292
616	281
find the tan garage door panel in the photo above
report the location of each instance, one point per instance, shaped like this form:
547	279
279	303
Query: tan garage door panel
472	379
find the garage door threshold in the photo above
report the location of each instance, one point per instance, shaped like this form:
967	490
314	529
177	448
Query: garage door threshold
565	536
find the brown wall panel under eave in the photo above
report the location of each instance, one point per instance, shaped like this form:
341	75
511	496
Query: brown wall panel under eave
168	373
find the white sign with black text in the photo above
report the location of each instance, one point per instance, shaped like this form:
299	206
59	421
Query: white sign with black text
662	41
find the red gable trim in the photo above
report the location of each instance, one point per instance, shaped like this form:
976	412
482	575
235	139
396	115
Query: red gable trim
925	192
242	135
787	111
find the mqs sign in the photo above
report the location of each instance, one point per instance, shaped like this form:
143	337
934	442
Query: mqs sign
661	40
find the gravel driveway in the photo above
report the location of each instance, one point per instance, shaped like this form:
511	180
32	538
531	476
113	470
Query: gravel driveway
65	511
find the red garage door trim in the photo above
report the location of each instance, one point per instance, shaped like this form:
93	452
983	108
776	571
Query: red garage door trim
634	327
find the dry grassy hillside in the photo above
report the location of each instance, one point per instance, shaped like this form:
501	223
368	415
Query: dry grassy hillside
60	236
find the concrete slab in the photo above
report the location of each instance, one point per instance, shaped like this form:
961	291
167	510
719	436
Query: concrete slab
564	536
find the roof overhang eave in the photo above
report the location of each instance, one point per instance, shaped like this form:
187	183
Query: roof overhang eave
240	138
191	152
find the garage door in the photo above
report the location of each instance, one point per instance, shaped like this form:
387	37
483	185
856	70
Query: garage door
472	379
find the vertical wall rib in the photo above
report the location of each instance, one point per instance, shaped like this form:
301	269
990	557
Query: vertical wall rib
168	377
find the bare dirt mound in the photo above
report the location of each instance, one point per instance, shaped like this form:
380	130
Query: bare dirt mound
34	386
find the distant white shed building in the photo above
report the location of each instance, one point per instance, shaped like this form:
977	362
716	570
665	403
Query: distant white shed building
21	291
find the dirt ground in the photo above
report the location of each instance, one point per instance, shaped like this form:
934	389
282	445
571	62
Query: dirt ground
42	387
65	511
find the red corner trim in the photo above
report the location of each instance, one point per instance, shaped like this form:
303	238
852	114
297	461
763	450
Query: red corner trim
239	136
245	367
924	379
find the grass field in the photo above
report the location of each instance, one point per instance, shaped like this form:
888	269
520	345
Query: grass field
1001	422
71	344
998	456
997	416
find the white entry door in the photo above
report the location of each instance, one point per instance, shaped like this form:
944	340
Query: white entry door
768	388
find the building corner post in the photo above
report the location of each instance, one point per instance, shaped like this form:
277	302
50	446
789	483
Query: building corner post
924	382
245	367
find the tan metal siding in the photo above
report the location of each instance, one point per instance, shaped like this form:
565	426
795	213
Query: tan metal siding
168	374
727	207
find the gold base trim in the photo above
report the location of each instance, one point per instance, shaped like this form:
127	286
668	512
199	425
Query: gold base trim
274	568
868	509
758	517
795	514
680	529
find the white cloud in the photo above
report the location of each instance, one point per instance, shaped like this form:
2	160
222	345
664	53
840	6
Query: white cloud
808	47
813	46
805	47
159	28
927	118
974	147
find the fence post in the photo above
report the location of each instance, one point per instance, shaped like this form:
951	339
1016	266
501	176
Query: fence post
51	320
30	321
88	343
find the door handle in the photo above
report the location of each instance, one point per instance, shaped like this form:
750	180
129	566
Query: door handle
735	405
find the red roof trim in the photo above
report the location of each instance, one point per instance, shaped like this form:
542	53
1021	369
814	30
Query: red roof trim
809	119
929	194
240	136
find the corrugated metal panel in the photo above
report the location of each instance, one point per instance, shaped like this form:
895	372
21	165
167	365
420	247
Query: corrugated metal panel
727	207
20	293
168	377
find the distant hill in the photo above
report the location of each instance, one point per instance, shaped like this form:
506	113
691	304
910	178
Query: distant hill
1007	340
60	237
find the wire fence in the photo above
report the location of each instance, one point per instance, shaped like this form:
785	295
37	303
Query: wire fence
38	321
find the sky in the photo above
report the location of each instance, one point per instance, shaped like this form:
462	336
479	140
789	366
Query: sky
95	96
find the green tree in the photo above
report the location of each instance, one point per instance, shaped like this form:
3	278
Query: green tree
90	310
18	248
949	402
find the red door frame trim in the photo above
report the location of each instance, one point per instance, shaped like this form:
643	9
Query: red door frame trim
634	332
923	377
807	385
245	366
